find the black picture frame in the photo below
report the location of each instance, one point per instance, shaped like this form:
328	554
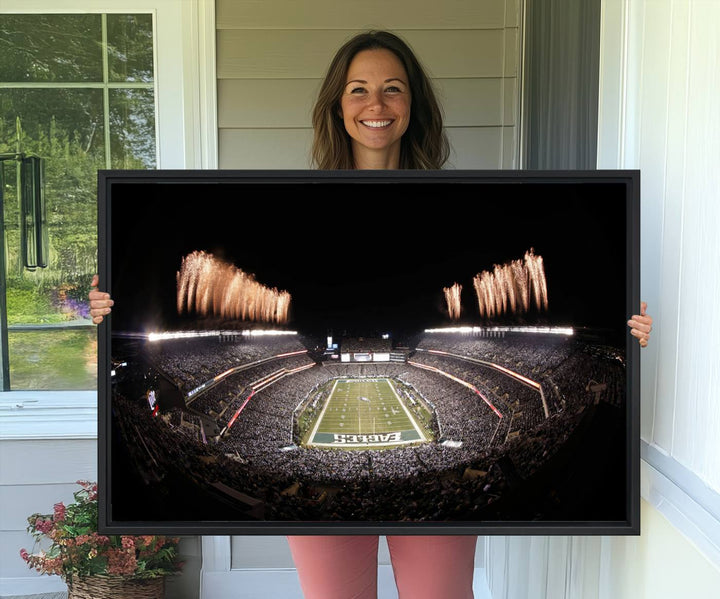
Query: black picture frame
386	239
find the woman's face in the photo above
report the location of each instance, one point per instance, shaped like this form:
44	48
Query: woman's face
375	105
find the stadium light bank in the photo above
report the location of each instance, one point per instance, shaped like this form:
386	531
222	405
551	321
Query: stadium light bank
476	330
192	334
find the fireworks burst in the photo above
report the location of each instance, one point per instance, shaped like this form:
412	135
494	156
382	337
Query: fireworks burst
512	287
210	287
452	298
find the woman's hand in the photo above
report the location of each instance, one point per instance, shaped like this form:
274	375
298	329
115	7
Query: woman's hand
100	302
641	325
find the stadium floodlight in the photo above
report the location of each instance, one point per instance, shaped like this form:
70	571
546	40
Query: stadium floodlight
268	333
453	330
468	330
180	335
193	334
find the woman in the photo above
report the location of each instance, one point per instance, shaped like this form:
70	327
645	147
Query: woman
355	94
376	109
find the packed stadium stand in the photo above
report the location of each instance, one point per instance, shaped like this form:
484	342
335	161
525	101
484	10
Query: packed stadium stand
510	417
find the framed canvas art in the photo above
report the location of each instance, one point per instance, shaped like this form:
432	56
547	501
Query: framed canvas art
369	352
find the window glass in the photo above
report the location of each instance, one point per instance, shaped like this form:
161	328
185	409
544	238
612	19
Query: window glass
130	47
37	48
58	102
132	128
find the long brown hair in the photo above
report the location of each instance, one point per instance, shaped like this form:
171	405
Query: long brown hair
424	145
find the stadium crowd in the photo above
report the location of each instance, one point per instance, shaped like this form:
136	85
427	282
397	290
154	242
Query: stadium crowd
191	362
476	457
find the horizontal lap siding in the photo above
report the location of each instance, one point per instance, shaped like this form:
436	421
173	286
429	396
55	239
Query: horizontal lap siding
271	59
304	54
354	14
34	475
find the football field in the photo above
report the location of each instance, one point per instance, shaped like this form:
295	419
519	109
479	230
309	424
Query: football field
364	413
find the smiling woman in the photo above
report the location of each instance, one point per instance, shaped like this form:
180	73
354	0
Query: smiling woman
377	109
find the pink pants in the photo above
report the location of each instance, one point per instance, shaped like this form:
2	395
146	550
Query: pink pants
425	567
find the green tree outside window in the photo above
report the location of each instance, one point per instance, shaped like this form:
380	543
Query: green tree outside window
78	91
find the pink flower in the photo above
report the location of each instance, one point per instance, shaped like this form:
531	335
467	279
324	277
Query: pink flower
59	509
128	543
121	561
25	555
44	526
53	565
145	540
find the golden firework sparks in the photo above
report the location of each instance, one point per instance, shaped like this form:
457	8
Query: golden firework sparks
452	299
512	287
209	286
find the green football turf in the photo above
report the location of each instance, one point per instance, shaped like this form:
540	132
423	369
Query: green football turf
368	409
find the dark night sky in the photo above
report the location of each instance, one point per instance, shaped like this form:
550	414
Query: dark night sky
371	255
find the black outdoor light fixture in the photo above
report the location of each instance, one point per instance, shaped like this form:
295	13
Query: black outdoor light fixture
33	234
33	211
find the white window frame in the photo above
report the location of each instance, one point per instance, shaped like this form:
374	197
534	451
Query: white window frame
186	129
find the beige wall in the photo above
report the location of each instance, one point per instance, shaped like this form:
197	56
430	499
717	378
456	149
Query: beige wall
34	475
659	563
272	56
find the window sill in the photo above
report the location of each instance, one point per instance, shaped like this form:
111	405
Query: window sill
48	415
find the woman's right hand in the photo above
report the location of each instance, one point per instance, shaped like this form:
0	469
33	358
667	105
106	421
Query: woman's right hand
100	302
641	325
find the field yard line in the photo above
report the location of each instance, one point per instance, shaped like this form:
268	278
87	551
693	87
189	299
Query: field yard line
319	420
404	407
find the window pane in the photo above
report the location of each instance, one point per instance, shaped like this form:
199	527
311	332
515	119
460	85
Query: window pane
56	359
65	128
38	48
53	122
130	48
132	128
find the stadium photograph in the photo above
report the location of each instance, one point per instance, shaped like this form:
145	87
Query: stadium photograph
356	358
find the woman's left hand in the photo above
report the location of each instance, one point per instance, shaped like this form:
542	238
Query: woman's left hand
641	325
100	302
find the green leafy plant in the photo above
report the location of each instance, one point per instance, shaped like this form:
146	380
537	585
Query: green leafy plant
77	550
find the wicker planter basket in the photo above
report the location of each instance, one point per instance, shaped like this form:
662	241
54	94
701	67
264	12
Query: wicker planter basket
116	587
